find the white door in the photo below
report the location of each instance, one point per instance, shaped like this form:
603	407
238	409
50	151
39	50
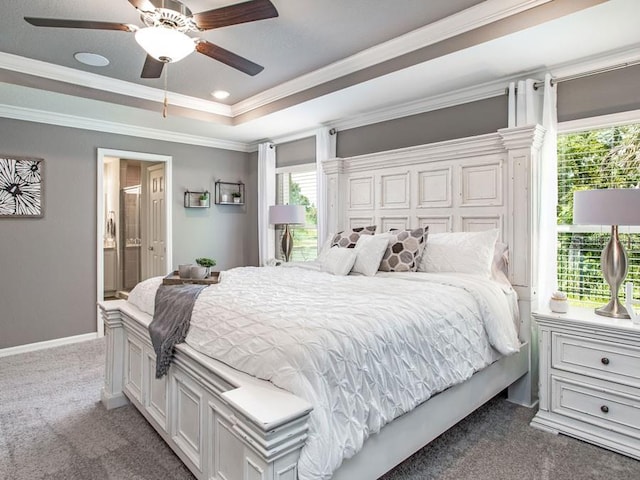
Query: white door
156	228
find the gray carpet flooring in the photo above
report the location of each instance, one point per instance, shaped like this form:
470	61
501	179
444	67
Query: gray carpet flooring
52	426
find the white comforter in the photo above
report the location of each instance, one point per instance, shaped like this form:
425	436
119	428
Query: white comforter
361	350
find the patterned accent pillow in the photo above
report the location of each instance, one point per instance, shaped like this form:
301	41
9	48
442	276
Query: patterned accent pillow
349	238
405	250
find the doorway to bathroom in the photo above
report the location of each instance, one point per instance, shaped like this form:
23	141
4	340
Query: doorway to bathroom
134	233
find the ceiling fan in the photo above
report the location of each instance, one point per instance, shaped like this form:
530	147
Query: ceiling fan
164	35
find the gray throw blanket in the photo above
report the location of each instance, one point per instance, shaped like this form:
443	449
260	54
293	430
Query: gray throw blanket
171	319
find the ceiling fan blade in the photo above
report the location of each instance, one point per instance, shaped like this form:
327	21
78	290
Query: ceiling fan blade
228	58
143	5
233	14
152	68
61	23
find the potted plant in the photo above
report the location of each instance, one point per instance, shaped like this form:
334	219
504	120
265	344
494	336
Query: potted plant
203	199
236	197
206	263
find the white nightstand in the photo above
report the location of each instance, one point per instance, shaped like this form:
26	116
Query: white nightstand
590	378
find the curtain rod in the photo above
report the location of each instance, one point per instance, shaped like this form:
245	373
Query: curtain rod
588	74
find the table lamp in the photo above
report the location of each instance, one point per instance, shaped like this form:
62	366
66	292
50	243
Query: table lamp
615	206
286	215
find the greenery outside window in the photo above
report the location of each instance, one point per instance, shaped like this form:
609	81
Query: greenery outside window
296	185
602	158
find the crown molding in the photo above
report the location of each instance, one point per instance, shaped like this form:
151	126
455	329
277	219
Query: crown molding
72	121
474	17
42	69
466	95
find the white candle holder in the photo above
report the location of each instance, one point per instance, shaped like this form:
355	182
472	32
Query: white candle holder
630	302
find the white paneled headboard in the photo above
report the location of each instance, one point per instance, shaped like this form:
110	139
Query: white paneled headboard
467	184
475	183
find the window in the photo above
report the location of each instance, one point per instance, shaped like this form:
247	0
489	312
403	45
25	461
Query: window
297	186
602	158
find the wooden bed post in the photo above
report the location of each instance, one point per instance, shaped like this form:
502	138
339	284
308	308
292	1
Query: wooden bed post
523	149
112	395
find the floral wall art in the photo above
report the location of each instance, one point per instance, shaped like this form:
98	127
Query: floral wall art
20	187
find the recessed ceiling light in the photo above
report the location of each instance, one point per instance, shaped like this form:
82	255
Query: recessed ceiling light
92	59
220	94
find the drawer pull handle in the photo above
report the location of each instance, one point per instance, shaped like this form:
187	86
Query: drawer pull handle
604	409
604	360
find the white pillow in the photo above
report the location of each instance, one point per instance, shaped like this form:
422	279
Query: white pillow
462	252
500	264
339	261
369	250
324	250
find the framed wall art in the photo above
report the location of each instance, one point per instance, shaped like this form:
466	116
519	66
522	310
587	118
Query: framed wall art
21	182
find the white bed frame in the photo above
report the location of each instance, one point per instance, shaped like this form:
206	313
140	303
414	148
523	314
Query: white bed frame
226	425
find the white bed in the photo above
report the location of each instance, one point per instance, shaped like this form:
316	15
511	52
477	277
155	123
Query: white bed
226	424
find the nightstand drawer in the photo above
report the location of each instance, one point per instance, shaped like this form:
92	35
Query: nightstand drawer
611	410
610	361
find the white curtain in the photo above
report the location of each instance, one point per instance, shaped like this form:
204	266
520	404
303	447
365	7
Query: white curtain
528	106
266	198
325	149
548	222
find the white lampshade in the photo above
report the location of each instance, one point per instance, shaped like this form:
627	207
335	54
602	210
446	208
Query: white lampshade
165	44
286	214
613	206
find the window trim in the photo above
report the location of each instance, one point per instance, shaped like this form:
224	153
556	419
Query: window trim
583	125
302	168
600	121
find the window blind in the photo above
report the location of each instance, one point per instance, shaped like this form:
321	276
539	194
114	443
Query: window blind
603	158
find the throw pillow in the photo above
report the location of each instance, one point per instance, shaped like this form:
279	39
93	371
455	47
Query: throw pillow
339	261
461	252
349	238
369	250
404	250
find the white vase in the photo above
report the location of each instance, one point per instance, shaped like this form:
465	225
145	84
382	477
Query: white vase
236	199
558	305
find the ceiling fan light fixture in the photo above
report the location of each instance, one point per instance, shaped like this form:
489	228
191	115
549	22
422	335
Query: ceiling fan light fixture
165	44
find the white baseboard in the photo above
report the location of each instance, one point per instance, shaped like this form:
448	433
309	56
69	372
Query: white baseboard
32	347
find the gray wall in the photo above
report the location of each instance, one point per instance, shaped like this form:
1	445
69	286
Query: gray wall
484	116
297	152
48	265
605	93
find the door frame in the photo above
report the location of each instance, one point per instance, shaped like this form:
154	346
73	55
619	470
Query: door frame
100	213
146	217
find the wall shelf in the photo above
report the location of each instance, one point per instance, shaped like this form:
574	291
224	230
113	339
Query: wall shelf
229	193
192	199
